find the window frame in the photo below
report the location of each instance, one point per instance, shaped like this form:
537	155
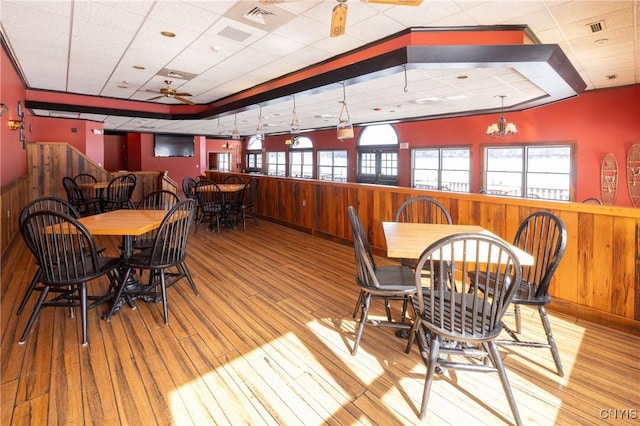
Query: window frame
280	155
379	151
300	150
440	186
525	193
254	157
333	166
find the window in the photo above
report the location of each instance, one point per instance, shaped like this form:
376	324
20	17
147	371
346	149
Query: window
276	163
254	155
378	155
332	165
224	162
542	171
441	168
301	158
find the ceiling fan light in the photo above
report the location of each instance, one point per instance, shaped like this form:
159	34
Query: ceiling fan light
338	19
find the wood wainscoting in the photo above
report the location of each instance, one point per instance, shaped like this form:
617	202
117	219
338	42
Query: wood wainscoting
597	278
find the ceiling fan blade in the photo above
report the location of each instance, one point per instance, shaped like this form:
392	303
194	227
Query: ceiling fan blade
182	94
156	97
183	100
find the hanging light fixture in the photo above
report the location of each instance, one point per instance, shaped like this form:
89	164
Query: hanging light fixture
235	134
295	123
338	19
344	128
260	128
502	129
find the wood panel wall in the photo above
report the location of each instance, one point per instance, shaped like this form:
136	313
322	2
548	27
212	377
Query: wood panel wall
47	164
597	278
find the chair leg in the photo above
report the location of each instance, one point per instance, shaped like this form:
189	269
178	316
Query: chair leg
552	342
32	286
82	289
183	268
434	350
34	314
358	303
492	349
366	302
516	313
163	288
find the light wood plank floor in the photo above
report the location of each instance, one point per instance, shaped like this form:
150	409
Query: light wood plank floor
268	342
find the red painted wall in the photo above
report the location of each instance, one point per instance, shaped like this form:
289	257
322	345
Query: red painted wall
13	159
598	122
77	133
178	167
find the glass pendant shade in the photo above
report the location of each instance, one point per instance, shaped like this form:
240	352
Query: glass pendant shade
344	128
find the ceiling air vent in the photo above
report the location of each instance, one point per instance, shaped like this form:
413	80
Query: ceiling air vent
259	15
611	76
597	26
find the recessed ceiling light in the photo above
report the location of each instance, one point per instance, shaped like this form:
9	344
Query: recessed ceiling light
324	116
455	97
462	77
139	67
122	86
215	48
431	99
602	41
167	33
611	76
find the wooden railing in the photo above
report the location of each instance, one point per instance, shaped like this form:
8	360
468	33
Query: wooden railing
597	278
47	164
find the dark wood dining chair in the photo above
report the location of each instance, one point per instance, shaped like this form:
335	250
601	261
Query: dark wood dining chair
455	327
233	179
211	203
544	236
387	283
69	261
168	250
248	203
87	179
77	199
119	192
156	200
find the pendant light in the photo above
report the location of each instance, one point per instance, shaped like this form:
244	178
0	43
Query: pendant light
344	128
235	134
338	19
260	128
295	123
502	129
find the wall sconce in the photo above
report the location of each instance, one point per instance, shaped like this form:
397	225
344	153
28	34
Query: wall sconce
15	124
227	145
3	109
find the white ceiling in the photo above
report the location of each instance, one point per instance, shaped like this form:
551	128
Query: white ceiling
91	47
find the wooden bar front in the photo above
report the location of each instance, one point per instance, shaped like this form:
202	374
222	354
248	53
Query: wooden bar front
597	279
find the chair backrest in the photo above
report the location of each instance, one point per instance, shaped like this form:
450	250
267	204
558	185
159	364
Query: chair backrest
592	200
544	236
48	203
448	302
63	247
233	179
209	194
188	187
422	210
250	192
120	188
365	262
84	178
170	244
74	193
158	200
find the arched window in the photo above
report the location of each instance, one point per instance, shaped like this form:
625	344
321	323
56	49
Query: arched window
254	155
378	155
301	158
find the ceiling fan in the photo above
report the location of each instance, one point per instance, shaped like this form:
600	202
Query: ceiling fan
339	13
169	92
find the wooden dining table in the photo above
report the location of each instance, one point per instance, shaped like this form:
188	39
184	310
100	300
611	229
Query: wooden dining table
409	240
128	224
